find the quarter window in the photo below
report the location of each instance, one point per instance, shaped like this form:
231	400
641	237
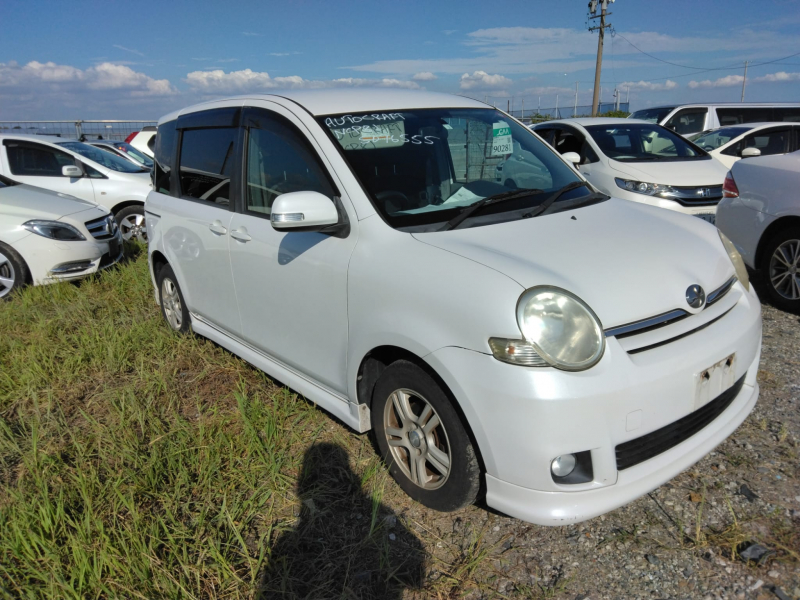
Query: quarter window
206	164
32	160
280	160
166	141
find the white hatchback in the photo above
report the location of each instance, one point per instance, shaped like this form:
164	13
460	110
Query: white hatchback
638	161
730	144
80	170
47	237
563	350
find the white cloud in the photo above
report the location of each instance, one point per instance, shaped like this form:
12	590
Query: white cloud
219	82
647	86
251	34
424	76
481	80
726	81
779	77
128	50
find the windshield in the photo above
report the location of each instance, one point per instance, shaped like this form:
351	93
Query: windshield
422	167
135	154
654	115
106	159
719	137
640	142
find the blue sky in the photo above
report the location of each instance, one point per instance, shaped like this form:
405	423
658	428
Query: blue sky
141	59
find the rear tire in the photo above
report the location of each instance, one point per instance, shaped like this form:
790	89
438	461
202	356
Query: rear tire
422	439
780	267
173	307
131	223
14	273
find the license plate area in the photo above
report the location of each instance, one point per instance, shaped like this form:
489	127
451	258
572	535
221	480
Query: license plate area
710	217
711	382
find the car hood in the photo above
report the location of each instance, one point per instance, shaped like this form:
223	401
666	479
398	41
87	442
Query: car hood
678	172
30	202
628	261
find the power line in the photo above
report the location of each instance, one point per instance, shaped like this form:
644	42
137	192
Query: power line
614	32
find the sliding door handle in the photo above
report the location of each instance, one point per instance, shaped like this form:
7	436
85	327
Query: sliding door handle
218	228
241	235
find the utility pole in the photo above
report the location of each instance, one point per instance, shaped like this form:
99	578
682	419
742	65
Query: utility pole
575	111
744	81
557	116
602	32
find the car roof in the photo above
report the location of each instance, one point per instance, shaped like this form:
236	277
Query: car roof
587	121
42	139
349	100
750	126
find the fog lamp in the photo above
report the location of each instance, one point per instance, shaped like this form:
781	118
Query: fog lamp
563	465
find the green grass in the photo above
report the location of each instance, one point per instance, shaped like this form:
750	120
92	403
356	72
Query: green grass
137	463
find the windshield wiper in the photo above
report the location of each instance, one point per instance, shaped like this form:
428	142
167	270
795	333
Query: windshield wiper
470	210
551	199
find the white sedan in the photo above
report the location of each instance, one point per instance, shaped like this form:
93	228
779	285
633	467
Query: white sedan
761	215
563	350
47	237
732	143
637	160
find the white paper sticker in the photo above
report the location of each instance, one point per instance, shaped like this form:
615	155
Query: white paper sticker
502	142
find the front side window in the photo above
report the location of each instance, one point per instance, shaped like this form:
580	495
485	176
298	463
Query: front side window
139	157
690	120
32	160
280	160
640	142
719	137
571	140
422	167
106	159
653	115
206	163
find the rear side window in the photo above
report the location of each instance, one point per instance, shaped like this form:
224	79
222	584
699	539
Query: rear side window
206	163
688	120
166	141
735	115
32	160
786	114
280	160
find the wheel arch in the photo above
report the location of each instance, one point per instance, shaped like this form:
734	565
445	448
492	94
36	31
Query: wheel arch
157	261
773	228
125	204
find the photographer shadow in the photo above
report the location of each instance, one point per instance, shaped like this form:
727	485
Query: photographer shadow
344	544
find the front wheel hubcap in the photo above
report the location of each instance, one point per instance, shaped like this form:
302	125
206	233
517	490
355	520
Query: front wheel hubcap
417	439
784	270
133	227
7	276
171	302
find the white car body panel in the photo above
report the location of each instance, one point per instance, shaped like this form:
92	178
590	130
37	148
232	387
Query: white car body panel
140	141
440	296
22	203
769	192
111	192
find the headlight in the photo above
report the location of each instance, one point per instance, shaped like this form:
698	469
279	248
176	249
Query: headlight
563	330
55	230
737	260
648	189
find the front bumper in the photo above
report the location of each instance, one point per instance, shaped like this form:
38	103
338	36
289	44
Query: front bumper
522	417
51	261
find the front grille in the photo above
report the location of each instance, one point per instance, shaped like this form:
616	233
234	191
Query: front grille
103	228
644	448
700	195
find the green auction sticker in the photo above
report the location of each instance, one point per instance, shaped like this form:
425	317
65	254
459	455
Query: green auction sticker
502	142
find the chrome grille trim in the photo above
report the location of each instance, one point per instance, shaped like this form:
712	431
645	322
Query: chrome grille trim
103	228
696	195
681	336
667	318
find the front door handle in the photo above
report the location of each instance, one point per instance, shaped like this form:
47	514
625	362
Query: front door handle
241	235
218	228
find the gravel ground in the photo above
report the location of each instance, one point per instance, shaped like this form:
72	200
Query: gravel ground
677	542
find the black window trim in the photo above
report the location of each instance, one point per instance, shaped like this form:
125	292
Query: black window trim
241	207
215	120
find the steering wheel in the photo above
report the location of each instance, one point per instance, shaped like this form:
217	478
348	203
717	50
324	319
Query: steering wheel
387	194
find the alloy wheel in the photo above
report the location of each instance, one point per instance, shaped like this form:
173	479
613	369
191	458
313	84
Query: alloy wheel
784	269
171	302
417	439
133	228
7	275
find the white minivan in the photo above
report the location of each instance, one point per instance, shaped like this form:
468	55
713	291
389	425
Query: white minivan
559	350
80	170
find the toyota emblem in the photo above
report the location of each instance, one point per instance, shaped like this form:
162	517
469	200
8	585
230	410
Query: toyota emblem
695	296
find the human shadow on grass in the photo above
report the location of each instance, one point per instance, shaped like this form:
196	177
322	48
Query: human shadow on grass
344	545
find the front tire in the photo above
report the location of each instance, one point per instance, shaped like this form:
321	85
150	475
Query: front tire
423	440
173	307
780	265
131	223
14	272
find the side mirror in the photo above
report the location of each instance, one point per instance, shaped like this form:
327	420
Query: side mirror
750	152
71	171
572	157
305	211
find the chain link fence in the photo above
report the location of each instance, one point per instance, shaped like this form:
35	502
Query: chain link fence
107	130
537	115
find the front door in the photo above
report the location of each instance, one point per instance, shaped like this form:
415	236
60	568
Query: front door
291	286
40	165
